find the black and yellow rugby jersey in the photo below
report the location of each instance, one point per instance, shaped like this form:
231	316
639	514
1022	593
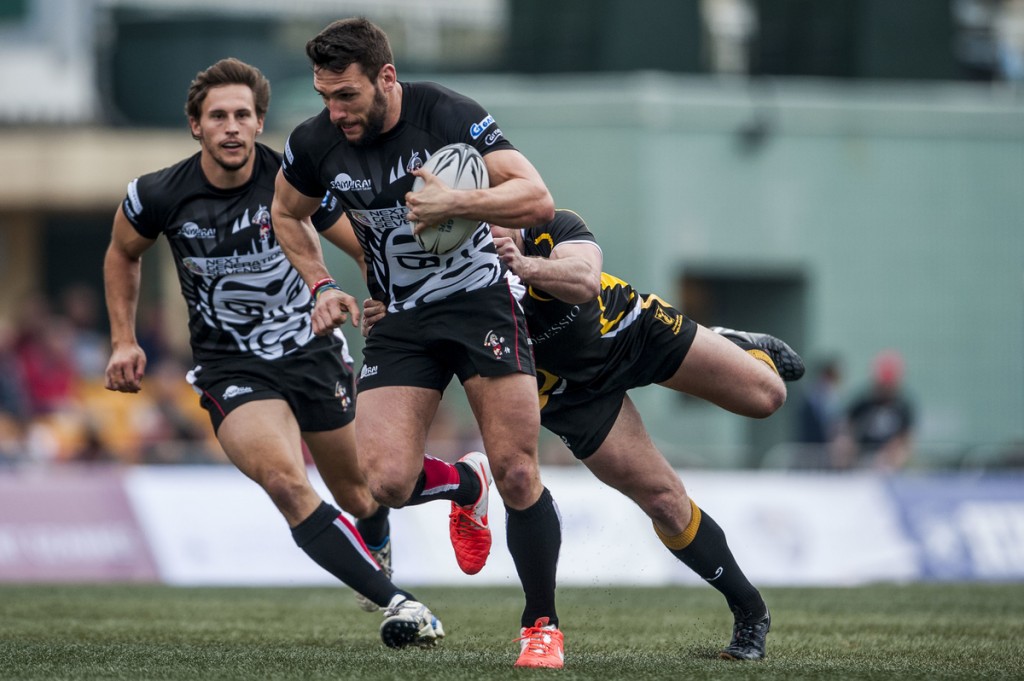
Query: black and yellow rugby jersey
572	340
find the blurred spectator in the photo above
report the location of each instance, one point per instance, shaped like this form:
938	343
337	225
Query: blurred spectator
880	422
89	347
172	427
13	406
151	334
1010	40
13	401
91	447
44	355
820	416
990	38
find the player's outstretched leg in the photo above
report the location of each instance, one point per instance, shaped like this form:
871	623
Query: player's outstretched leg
785	360
409	623
468	528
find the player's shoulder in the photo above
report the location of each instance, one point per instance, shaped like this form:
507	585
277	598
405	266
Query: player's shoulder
312	139
566	227
427	94
169	184
431	104
315	130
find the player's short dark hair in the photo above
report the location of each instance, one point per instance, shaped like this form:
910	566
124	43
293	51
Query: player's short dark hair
351	41
228	71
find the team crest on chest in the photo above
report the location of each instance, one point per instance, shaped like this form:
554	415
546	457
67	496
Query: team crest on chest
262	218
414	162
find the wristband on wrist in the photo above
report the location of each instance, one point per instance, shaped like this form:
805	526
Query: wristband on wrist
323	285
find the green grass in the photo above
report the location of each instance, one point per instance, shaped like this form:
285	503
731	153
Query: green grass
155	632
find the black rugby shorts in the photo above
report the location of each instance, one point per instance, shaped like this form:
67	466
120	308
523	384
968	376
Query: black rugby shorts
472	333
648	351
316	381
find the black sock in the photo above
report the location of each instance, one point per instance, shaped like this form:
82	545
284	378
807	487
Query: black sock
333	543
375	528
534	537
466	492
708	554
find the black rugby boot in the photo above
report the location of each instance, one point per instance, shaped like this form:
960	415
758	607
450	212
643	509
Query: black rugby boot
748	636
789	364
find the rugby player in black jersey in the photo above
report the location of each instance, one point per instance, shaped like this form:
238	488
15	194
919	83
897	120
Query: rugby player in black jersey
451	315
266	380
595	338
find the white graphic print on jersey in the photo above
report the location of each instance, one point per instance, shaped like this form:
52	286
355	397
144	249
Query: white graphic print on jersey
413	276
261	302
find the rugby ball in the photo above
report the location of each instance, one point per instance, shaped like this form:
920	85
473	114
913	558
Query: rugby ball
459	166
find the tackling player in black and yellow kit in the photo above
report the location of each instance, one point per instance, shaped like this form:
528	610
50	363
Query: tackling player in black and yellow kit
594	338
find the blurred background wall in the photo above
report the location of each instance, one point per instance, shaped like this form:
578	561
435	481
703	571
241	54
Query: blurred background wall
845	174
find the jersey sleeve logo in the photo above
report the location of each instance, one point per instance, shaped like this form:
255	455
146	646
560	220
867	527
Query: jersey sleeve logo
478	129
493	137
133	205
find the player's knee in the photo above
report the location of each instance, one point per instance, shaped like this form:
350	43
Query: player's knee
393	493
668	508
770	398
357	501
519	483
285	489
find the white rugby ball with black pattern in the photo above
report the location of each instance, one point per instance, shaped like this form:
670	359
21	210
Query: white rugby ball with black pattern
459	166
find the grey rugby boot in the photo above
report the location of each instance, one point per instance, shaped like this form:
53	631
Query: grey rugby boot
748	636
789	364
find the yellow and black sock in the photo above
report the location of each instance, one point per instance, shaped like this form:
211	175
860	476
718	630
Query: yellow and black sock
702	548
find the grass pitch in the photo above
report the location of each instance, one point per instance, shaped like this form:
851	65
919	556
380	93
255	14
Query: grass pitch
156	632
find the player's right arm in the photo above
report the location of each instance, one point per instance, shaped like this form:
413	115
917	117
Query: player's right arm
290	213
122	271
571	273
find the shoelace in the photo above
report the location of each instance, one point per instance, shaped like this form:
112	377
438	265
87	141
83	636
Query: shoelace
390	612
538	641
465	520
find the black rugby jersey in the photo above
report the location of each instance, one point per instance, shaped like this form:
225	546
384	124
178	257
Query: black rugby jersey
243	295
371	182
574	341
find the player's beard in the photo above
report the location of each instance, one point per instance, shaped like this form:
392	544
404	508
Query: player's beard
231	166
374	120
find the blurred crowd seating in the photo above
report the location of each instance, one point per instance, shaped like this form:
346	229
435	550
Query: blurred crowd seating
53	404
